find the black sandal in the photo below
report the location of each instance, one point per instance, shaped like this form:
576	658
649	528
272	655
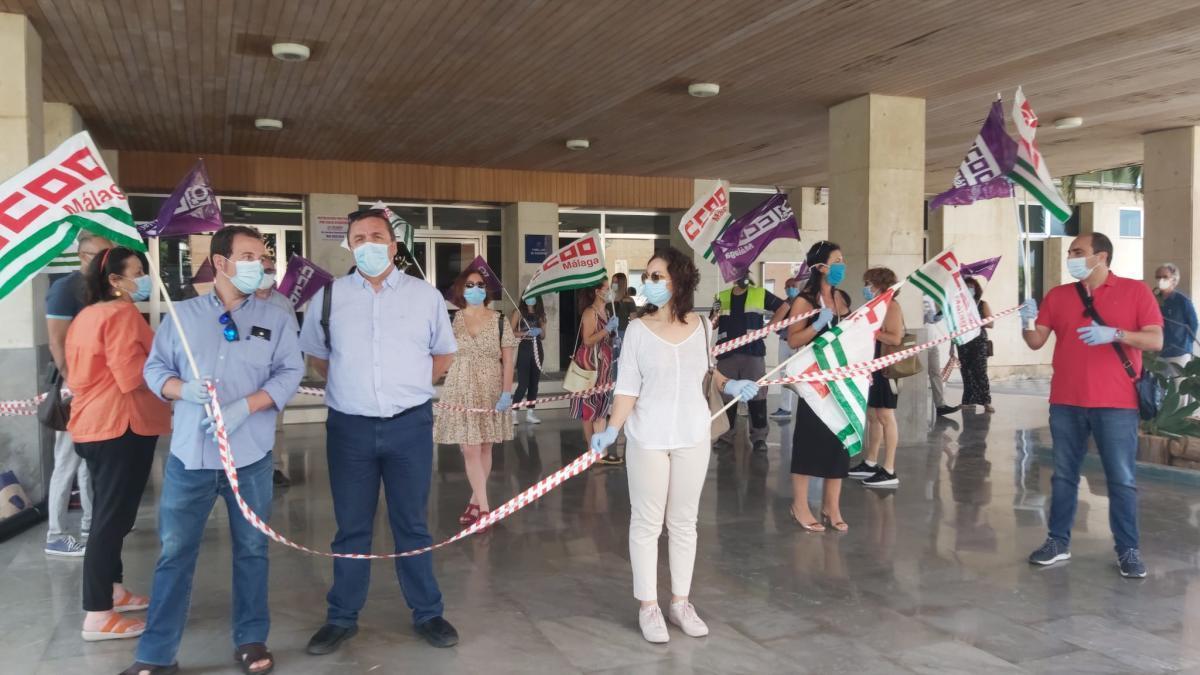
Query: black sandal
138	668
249	654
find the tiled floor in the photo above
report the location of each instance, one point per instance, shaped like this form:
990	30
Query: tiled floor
931	578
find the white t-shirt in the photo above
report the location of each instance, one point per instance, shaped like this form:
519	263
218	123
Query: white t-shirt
671	410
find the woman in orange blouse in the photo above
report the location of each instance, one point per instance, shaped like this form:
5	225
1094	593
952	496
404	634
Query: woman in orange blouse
115	421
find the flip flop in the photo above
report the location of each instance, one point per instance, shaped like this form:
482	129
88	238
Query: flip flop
249	654
116	627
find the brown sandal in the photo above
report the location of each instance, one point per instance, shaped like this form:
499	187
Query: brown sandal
249	654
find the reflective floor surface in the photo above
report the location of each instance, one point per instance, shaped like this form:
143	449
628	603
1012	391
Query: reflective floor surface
931	577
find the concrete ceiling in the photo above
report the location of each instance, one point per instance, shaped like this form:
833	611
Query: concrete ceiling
503	83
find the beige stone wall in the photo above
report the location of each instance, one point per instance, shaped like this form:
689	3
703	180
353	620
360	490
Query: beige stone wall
521	219
328	255
1172	216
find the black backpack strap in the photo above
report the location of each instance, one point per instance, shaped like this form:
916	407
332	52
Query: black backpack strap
1090	309
326	310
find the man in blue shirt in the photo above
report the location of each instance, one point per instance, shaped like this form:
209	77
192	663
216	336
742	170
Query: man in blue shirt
1179	316
248	349
64	300
389	339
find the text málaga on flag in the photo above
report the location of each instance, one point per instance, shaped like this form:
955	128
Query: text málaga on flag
706	220
43	208
942	280
579	264
842	403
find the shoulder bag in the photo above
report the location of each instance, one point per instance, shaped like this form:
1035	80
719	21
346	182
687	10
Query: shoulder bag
711	393
1145	387
53	411
579	378
906	368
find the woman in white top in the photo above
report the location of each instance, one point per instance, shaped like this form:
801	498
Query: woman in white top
659	391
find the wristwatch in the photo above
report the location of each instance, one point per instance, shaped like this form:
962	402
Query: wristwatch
1119	336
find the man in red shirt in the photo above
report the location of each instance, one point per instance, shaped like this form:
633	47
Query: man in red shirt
1093	392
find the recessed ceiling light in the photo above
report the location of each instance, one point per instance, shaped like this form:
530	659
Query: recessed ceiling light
578	144
290	51
1068	123
268	124
704	89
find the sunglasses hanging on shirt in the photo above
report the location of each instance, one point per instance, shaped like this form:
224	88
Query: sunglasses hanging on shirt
230	329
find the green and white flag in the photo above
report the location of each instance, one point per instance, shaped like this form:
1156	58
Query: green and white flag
842	404
66	262
706	220
1030	171
579	264
941	279
43	208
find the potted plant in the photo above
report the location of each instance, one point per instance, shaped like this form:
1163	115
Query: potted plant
1167	438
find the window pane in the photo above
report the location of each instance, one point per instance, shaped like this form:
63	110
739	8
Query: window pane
417	216
1070	228
494	259
454	218
144	207
293	244
180	259
618	223
1037	218
1036	256
741	203
261	212
573	221
1131	223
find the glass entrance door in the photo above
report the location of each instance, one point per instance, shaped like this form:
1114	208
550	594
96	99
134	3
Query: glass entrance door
444	256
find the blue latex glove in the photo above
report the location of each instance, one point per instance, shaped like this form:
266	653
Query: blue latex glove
742	390
505	402
534	332
931	316
823	318
612	324
601	440
195	391
235	414
1028	311
1096	334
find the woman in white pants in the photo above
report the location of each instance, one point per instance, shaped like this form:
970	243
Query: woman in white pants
659	391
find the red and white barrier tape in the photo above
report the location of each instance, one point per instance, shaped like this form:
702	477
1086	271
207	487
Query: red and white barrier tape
756	335
529	496
25	407
316	391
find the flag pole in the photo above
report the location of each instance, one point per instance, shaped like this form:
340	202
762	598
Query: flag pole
1025	244
183	341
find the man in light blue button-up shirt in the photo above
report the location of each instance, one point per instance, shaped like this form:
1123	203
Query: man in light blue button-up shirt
389	340
249	349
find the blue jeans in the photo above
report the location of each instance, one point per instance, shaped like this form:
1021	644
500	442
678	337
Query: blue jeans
362	451
187	499
1115	431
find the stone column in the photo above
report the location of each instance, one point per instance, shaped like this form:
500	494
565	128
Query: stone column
26	448
1172	211
877	187
530	219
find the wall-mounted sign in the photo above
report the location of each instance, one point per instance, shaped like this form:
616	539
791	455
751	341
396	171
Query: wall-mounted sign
537	248
332	228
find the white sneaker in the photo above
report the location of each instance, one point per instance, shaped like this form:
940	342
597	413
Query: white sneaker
531	418
683	614
654	628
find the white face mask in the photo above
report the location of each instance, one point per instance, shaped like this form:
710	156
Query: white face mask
268	281
1164	284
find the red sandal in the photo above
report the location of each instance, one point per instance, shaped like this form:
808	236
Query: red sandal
470	515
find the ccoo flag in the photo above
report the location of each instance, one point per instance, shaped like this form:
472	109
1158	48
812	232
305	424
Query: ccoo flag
706	220
842	404
43	208
745	238
983	172
579	264
942	280
191	209
981	268
1030	170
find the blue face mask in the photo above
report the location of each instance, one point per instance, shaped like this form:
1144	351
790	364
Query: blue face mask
793	293
142	292
531	302
837	272
249	274
868	294
657	293
372	259
1078	269
475	296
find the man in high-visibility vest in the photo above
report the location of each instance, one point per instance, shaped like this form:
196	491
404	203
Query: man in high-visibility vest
740	310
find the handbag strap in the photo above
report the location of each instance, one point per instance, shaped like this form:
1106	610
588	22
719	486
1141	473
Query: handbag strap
1090	310
708	341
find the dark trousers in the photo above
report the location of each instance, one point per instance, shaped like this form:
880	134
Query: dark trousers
362	452
528	375
119	468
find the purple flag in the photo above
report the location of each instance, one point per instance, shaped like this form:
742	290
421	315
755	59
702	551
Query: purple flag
206	273
744	240
489	277
983	172
302	280
191	209
981	268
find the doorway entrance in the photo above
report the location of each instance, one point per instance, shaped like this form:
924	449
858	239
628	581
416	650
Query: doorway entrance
444	255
